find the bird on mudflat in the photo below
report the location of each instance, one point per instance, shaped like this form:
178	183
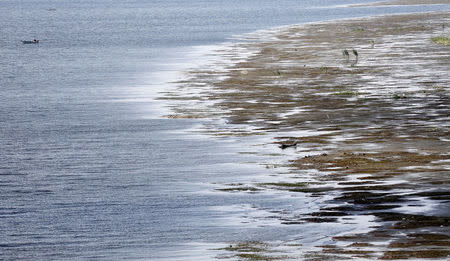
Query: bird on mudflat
346	54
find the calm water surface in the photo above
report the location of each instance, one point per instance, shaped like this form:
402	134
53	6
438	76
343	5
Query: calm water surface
87	172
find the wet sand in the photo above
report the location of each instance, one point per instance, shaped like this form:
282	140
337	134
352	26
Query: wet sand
407	2
362	107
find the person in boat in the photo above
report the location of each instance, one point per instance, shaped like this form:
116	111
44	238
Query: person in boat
35	41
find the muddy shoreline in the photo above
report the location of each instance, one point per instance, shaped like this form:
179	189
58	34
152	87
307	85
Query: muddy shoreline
405	2
363	105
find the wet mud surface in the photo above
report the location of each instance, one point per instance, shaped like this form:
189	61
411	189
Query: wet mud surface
362	108
407	2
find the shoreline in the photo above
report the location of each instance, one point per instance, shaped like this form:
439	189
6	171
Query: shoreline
403	2
371	130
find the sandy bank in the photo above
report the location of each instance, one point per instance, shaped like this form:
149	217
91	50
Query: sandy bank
406	2
364	104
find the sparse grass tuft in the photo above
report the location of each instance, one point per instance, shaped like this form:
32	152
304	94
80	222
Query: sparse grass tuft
324	69
438	88
441	40
359	30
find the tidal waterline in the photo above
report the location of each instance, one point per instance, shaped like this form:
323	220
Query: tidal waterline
86	171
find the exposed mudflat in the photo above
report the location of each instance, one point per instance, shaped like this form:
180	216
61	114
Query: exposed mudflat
360	108
407	2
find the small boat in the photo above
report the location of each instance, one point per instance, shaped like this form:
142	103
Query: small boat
31	42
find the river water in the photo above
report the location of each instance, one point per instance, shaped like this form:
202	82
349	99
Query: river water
88	169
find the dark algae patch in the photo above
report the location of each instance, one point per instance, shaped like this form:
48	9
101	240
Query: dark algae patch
408	221
359	109
239	189
253	250
248	247
392	255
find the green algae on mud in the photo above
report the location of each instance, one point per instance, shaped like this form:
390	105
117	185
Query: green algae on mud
441	40
369	162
